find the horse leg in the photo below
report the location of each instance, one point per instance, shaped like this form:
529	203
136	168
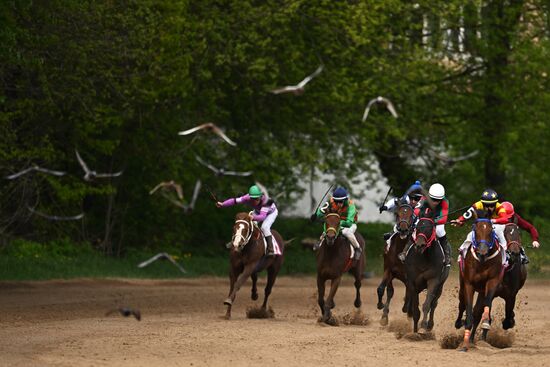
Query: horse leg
509	321
389	296
490	289
321	294
233	274
358	277
461	307
468	301
271	276
329	304
247	271
381	288
478	311
427	306
254	292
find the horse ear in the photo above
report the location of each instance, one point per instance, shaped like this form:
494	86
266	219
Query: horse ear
478	213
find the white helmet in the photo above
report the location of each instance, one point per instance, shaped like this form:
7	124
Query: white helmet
437	191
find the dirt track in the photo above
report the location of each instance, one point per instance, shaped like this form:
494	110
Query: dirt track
63	323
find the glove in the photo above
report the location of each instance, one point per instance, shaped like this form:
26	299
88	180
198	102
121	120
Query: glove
382	208
313	217
536	244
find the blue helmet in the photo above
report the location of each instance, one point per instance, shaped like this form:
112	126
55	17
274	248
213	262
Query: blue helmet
489	196
340	194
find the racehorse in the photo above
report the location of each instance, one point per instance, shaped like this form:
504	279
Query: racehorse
480	271
334	258
514	277
247	259
425	270
393	267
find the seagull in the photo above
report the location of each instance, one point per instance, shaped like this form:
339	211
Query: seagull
299	88
125	311
35	168
187	207
387	102
449	161
89	175
55	217
162	255
215	129
165	185
221	171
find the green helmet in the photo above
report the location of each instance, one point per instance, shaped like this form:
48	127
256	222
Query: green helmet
255	192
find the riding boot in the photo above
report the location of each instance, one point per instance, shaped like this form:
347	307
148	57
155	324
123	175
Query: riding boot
387	235
403	255
269	251
358	252
523	255
445	245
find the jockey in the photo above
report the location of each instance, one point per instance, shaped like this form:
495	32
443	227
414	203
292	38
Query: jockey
341	203
265	211
489	202
436	207
412	197
512	217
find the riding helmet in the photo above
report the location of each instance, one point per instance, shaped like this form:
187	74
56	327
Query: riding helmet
255	192
509	207
340	194
489	196
437	191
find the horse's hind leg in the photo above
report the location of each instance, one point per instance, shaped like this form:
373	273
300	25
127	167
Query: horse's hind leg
254	292
271	276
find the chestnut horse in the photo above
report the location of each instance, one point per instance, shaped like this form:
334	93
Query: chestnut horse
515	275
393	267
480	271
247	259
333	260
425	270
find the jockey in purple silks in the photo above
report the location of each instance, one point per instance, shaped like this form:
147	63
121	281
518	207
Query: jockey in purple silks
265	211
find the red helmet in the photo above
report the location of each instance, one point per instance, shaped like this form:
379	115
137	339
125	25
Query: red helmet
509	209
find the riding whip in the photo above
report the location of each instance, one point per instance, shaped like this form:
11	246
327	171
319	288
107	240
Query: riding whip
388	194
211	193
323	198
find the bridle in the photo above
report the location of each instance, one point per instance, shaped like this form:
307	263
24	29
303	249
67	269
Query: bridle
493	236
238	236
332	229
428	240
409	222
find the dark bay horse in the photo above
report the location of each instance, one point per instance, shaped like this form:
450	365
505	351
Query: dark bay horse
247	259
425	270
393	267
514	276
480	271
333	260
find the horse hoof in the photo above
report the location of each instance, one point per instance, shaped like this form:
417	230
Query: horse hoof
228	302
508	324
380	305
422	331
357	303
463	349
254	296
485	325
228	316
384	321
459	324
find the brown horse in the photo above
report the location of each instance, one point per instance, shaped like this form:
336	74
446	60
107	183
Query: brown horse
247	259
425	270
480	271
514	277
333	260
393	267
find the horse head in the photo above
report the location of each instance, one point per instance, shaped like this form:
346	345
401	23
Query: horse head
513	240
242	231
483	238
332	227
424	234
404	219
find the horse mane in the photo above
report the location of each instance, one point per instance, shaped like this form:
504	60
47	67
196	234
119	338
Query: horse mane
241	216
482	213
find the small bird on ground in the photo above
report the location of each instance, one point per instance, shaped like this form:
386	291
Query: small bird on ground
212	127
35	168
162	255
387	102
125	311
300	87
89	175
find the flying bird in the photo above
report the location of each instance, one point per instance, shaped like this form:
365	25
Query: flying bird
162	255
165	185
449	161
35	168
125	311
387	102
221	171
55	217
209	126
188	208
300	87
89	175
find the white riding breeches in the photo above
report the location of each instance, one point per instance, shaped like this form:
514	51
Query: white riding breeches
268	222
349	233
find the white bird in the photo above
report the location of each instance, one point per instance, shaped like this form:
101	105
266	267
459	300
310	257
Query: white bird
299	88
221	171
162	255
89	174
387	102
452	160
212	127
55	217
35	168
188	207
165	185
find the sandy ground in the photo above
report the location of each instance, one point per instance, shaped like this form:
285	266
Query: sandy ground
63	323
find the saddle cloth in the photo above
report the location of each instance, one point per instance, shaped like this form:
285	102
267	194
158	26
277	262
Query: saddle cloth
351	248
276	247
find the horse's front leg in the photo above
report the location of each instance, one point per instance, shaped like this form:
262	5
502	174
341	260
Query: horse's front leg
247	271
490	289
233	274
468	301
254	291
461	306
509	320
321	293
427	306
329	304
389	296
